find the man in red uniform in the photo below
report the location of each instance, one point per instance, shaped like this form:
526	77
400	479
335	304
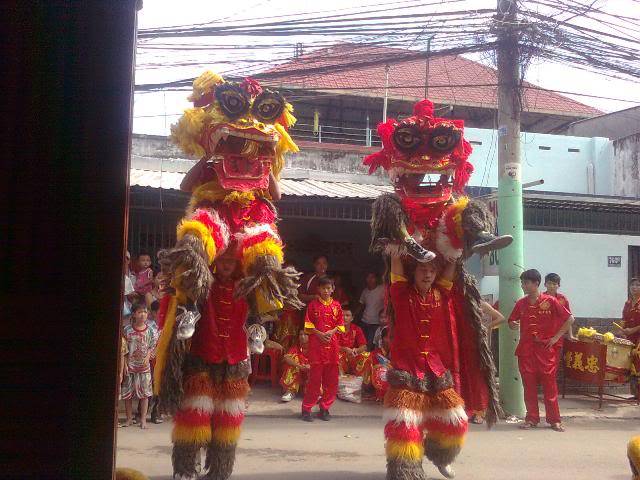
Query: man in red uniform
214	381
631	329
353	347
421	395
543	322
322	320
552	284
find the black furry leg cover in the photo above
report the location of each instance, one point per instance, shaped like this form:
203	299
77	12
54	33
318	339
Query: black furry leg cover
187	265
399	469
277	284
171	392
388	220
473	315
476	218
220	461
184	458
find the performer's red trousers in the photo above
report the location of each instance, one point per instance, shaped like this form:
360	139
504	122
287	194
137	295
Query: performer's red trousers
322	378
535	370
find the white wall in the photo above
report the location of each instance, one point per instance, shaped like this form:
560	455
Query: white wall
594	289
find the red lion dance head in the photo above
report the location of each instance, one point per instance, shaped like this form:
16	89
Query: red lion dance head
423	145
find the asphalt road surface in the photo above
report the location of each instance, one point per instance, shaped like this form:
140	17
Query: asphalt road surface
351	448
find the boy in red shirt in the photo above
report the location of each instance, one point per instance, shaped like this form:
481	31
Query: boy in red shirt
353	347
322	320
542	321
552	284
296	368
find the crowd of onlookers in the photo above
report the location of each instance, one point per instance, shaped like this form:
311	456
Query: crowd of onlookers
363	348
139	336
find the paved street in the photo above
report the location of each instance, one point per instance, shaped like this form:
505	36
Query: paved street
276	446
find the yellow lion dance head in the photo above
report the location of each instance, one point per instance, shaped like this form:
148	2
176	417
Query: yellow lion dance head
238	130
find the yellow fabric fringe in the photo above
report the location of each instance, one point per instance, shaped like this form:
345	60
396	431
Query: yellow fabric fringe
205	83
284	145
186	434
210	191
202	232
269	247
226	435
129	474
243	198
459	206
162	350
404	450
633	452
446	441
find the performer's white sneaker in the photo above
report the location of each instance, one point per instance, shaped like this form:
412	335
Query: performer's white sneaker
287	397
446	471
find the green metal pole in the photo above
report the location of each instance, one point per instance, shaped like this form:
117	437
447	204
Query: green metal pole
511	258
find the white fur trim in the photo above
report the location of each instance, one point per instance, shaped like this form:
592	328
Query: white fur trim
249	232
451	416
232	406
443	243
201	403
409	417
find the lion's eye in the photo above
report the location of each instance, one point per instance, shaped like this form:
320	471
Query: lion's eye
407	137
232	99
268	106
444	139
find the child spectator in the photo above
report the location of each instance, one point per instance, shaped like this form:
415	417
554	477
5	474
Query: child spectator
141	341
287	328
384	323
322	320
552	284
543	322
379	364
296	367
144	278
372	304
353	347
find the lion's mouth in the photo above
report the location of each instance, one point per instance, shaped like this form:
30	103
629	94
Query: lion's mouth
242	157
431	187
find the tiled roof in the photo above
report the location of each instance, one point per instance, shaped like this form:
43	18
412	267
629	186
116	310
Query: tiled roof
289	187
360	69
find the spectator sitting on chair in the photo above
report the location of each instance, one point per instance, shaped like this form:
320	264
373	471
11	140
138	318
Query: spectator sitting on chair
353	347
296	368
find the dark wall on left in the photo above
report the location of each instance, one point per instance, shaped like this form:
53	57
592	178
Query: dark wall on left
67	92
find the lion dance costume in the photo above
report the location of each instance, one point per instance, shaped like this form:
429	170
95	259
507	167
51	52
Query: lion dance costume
239	131
426	218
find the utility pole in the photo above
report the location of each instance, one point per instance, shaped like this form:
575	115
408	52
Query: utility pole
426	67
511	259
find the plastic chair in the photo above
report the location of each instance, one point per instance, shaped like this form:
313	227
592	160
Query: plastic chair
266	367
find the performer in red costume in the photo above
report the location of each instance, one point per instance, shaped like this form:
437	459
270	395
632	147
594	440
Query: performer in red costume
379	364
215	380
353	348
322	321
631	329
295	368
543	322
422	396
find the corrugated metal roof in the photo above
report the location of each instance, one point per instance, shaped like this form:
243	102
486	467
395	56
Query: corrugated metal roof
288	186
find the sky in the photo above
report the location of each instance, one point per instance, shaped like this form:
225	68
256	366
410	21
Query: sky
154	112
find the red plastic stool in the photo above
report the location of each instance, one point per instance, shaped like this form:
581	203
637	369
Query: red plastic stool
266	366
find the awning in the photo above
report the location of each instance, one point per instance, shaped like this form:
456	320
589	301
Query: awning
289	187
